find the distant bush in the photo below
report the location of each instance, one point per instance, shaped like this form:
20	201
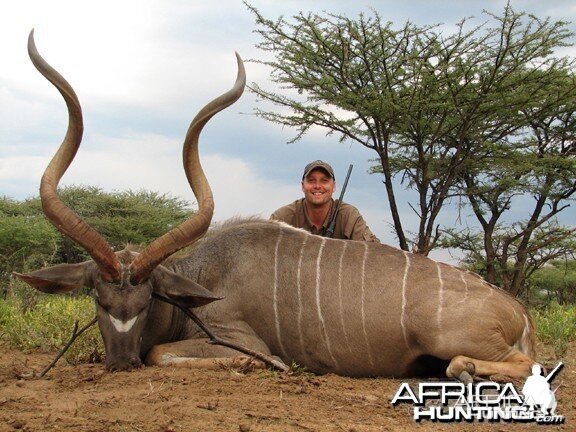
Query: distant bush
48	325
28	241
555	282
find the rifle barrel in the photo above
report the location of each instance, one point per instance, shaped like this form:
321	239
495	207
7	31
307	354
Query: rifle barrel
332	224
550	376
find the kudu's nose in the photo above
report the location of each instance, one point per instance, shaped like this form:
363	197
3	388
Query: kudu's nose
124	365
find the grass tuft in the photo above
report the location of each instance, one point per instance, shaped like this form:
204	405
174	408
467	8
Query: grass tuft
48	325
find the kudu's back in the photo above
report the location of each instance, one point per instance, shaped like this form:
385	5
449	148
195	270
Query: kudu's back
353	308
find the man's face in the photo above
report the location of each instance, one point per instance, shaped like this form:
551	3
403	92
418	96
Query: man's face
318	187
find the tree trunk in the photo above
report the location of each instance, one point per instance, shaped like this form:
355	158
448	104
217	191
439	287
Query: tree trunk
392	200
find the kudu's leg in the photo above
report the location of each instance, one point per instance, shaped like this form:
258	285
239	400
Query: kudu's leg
199	354
516	365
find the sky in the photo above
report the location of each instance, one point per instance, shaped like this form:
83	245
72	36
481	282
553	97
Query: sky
143	68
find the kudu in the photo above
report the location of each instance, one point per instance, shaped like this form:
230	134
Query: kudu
345	307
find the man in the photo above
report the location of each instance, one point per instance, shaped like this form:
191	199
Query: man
314	211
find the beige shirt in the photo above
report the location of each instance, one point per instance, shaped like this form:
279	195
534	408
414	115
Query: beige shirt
350	224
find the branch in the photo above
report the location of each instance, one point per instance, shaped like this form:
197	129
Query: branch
414	210
75	334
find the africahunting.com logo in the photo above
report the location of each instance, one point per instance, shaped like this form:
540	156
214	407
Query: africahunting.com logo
484	401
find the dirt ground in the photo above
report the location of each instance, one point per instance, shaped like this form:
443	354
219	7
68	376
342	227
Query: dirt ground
86	398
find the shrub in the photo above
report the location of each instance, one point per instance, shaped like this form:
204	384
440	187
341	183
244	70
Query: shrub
555	282
556	326
28	241
48	325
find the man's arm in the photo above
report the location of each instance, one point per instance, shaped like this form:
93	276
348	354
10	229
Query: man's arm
362	232
354	225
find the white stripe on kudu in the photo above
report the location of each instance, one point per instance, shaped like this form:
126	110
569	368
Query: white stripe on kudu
299	294
275	293
403	312
340	266
491	292
320	317
465	287
363	305
440	297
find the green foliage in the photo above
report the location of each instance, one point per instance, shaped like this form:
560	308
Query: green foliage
128	216
556	282
48	326
298	370
546	273
556	326
121	217
294	370
28	241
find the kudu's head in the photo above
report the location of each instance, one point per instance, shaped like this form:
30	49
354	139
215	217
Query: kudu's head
123	282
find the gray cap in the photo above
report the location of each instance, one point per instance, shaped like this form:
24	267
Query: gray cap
321	165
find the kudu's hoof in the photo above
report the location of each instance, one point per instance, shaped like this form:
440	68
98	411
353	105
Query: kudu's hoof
465	377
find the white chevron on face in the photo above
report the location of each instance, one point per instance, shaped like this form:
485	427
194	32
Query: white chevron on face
123	326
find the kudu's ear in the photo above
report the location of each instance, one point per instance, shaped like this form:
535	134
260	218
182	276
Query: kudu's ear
57	279
180	289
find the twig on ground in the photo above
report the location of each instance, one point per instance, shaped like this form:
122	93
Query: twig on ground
75	334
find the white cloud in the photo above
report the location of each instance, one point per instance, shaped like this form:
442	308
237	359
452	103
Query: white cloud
154	163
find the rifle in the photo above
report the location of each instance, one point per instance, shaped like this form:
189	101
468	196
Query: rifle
332	224
552	374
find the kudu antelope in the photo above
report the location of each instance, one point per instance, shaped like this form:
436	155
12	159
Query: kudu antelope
337	306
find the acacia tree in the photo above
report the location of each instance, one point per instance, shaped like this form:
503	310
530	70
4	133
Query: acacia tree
540	164
430	106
